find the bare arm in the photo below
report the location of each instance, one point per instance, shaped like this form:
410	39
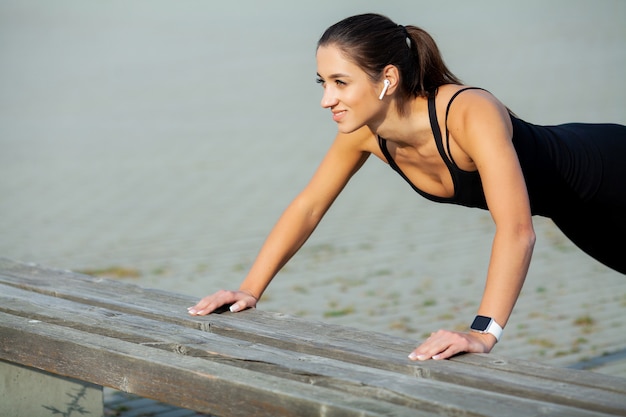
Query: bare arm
481	127
296	224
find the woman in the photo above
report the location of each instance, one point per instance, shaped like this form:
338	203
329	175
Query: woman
392	96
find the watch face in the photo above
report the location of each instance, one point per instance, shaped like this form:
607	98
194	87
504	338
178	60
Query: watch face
481	323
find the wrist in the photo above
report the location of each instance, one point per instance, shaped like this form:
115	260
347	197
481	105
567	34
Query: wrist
486	340
250	293
487	325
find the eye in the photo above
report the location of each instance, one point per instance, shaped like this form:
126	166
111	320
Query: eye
320	81
340	83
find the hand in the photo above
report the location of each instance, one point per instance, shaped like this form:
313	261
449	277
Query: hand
238	300
444	344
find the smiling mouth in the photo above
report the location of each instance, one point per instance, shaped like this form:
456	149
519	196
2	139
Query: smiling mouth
338	115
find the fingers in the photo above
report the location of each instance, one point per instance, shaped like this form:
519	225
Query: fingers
238	301
444	344
238	306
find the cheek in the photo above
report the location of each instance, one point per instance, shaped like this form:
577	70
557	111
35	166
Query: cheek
362	99
367	103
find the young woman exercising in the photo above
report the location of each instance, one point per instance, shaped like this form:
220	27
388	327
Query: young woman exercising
392	96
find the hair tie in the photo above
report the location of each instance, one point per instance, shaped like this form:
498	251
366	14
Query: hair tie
407	38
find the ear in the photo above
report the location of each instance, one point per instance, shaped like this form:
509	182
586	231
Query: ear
391	73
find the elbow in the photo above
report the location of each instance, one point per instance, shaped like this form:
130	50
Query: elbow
520	236
531	242
527	236
307	209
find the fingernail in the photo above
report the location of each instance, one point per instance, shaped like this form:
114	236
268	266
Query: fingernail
413	356
191	311
234	308
436	357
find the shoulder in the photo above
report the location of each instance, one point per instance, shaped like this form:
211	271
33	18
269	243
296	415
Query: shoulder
469	109
477	122
463	98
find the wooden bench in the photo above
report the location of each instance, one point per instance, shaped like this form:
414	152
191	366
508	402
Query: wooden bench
256	363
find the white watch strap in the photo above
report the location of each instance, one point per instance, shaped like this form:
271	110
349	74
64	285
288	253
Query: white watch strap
495	329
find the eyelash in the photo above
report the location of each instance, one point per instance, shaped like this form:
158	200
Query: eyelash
338	82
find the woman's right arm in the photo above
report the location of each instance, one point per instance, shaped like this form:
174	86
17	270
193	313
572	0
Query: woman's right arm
344	158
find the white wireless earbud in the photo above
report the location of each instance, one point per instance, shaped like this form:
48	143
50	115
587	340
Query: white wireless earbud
382	93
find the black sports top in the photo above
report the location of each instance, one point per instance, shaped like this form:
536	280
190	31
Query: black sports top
564	165
575	174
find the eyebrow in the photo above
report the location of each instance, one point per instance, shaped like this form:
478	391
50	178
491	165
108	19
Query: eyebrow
335	76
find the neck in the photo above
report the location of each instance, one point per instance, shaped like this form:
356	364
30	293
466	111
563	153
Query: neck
407	129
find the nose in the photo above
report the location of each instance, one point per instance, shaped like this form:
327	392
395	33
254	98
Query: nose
329	99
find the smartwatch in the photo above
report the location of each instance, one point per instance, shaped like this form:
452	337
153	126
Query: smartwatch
484	324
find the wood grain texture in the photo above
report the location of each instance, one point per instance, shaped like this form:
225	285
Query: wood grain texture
257	363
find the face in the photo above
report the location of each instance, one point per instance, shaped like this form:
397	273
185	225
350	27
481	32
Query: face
348	91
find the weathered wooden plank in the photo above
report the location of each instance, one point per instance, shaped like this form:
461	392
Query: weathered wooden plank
363	348
290	365
332	341
517	378
522	367
354	380
210	387
71	357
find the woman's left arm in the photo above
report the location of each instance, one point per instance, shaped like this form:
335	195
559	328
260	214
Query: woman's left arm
480	126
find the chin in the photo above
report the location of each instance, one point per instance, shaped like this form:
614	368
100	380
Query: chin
346	129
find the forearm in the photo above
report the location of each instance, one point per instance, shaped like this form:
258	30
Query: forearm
508	266
302	216
291	231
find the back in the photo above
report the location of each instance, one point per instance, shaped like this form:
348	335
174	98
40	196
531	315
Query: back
571	164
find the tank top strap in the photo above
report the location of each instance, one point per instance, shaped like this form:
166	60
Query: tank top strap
434	127
449	154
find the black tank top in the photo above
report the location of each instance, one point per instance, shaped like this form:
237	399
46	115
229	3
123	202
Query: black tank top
565	167
575	173
468	189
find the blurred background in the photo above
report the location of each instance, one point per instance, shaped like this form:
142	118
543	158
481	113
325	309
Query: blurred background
158	142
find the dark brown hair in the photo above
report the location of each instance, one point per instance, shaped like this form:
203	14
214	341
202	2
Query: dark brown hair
373	41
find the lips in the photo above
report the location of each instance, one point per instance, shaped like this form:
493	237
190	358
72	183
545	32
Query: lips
338	115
